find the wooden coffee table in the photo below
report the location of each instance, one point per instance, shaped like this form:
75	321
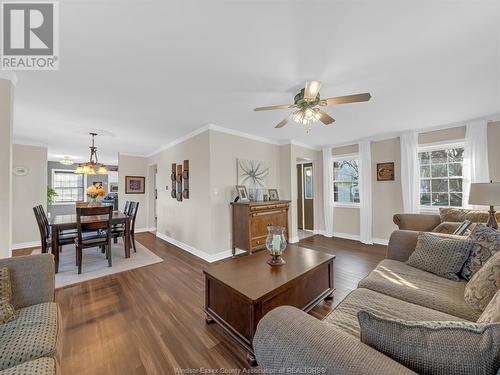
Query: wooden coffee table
239	292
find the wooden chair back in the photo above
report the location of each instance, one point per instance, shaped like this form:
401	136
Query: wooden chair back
127	208
101	219
43	226
134	206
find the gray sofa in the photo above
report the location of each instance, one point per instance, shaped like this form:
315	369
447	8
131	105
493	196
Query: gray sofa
288	338
31	344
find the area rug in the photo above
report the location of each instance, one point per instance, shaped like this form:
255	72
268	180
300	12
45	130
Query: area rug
95	264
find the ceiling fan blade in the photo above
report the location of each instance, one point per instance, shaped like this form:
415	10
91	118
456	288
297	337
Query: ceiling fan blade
311	89
281	106
325	118
349	99
282	123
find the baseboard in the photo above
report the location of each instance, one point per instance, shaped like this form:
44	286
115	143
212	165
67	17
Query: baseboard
347	236
142	230
25	245
380	241
197	252
294	239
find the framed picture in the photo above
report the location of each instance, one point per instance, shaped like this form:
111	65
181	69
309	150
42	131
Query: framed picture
385	171
113	187
242	193
135	185
273	195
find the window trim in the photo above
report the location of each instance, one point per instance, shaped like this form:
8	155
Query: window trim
337	158
436	146
53	173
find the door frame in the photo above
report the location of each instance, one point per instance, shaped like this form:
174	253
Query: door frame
302	198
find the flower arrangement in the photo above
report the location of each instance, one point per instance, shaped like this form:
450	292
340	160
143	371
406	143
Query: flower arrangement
94	192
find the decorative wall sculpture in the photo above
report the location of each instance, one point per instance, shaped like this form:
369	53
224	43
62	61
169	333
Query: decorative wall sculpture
254	175
180	181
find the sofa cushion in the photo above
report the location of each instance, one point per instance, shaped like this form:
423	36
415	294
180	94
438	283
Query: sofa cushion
491	313
440	255
461	214
34	334
7	312
345	318
484	284
458	348
486	244
41	366
410	284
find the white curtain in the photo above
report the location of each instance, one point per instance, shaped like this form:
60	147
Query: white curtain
410	172
476	167
365	188
328	190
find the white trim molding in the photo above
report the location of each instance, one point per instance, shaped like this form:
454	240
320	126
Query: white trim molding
294	239
197	252
141	230
9	76
25	245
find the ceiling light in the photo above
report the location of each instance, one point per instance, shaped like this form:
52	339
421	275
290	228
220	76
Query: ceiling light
306	116
93	164
66	161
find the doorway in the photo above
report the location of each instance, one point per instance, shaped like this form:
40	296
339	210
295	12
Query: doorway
305	199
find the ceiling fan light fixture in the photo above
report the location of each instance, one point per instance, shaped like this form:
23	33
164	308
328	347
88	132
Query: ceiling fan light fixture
306	116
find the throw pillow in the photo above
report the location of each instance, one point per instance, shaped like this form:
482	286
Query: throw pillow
427	348
462	214
440	255
484	284
492	312
7	312
486	243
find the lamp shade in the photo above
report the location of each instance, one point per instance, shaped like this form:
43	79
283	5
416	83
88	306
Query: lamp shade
487	194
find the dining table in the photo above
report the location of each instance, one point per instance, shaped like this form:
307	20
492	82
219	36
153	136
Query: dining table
60	223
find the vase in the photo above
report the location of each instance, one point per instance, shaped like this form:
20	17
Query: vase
92	201
276	244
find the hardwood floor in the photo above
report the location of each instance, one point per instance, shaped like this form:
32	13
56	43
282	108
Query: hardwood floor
150	320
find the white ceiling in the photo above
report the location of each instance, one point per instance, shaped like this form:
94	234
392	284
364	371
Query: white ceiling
148	72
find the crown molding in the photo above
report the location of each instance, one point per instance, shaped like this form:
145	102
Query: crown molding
28	143
300	144
9	76
238	133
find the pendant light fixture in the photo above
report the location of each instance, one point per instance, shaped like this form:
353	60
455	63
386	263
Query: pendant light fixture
93	166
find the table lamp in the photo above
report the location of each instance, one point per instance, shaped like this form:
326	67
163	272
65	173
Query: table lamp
487	194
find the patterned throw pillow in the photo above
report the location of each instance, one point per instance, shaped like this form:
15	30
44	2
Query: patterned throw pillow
484	284
7	312
446	348
491	313
486	243
440	255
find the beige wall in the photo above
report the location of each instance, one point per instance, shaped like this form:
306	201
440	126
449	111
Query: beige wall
133	166
28	192
494	150
443	135
189	221
386	195
6	124
225	149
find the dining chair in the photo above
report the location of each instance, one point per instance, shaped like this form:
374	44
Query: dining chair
65	237
118	230
93	231
133	216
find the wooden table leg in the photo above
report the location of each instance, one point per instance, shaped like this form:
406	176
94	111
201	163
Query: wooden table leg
127	238
55	248
252	361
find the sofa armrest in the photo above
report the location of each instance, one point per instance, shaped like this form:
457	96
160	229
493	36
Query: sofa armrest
32	279
420	222
401	244
288	339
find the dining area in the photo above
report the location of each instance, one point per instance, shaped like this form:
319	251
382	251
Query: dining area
93	230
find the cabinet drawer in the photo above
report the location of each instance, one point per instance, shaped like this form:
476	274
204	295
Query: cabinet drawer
259	242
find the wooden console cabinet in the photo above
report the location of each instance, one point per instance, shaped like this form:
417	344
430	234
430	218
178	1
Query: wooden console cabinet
250	221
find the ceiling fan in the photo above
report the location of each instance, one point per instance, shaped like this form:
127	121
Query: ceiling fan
307	102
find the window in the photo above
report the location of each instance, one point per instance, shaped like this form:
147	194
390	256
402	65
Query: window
346	181
68	186
441	176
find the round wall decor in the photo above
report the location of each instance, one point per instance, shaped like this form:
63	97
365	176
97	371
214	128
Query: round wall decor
20	171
